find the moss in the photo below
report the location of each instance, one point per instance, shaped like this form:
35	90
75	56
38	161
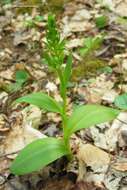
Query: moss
28	6
87	68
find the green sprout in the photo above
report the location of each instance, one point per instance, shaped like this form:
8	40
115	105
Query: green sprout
21	77
32	22
42	152
91	44
101	22
121	101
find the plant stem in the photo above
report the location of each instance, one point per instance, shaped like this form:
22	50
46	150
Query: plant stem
64	115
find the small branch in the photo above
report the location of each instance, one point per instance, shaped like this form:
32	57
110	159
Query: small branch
7	181
122	121
26	6
8	154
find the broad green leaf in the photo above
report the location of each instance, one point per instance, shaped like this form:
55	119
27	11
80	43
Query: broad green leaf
89	115
41	100
121	101
68	69
37	155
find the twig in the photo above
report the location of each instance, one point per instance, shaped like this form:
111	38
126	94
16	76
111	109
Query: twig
26	6
7	181
12	186
122	121
8	154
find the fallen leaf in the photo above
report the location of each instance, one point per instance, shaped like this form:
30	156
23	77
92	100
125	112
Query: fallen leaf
74	43
110	96
81	15
51	87
70	26
79	26
21	134
93	156
98	88
3	127
121	7
117	6
120	166
62	184
97	159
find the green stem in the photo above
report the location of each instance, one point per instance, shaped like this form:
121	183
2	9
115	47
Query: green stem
64	114
62	89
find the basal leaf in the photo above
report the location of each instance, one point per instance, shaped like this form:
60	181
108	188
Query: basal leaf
89	115
41	100
121	101
37	155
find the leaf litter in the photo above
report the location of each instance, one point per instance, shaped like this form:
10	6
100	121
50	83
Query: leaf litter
101	164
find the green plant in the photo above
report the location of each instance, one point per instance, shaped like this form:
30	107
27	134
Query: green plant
121	20
121	101
32	22
90	63
21	78
105	4
6	1
91	44
44	151
101	21
106	70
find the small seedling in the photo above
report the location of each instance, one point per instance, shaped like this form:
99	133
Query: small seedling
101	22
91	44
121	21
31	23
106	70
105	4
6	1
42	152
121	101
90	63
21	78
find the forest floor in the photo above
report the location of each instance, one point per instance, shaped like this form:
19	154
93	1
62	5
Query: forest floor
98	77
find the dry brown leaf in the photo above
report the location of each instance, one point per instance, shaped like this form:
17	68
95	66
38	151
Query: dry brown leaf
86	186
74	43
70	26
62	184
3	127
120	166
117	6
110	96
79	26
22	133
98	88
121	7
92	155
97	159
81	15
107	136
